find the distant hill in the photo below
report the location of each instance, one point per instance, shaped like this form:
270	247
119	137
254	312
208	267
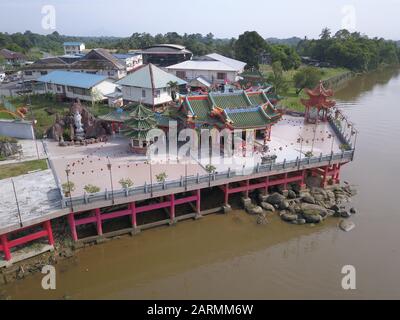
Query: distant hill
293	41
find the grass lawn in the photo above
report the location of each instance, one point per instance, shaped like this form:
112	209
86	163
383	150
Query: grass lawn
17	169
292	100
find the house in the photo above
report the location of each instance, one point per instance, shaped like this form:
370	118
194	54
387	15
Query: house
73	47
100	62
130	60
213	68
11	57
164	55
73	85
149	85
44	66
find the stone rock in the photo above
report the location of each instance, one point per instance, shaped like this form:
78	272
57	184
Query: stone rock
335	208
346	225
254	210
345	214
353	211
284	205
246	202
291	194
288	217
301	221
308	199
314	208
275	198
313	218
267	206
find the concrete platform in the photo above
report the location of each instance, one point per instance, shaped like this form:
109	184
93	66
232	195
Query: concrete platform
24	254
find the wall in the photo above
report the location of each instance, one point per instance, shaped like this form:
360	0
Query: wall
135	94
16	129
209	75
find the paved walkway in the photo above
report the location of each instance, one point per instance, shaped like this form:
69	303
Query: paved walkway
29	152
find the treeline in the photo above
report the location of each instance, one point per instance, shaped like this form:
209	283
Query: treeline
351	50
343	49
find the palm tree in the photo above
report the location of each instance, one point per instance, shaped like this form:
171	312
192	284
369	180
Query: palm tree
173	85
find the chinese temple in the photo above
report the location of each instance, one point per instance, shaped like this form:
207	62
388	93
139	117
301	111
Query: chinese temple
318	101
238	110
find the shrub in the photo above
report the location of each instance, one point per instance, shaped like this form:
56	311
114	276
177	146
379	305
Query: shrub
161	177
68	188
89	188
210	168
126	183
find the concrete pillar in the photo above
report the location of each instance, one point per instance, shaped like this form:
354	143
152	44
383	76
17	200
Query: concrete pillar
172	208
198	202
247	188
47	226
72	226
133	217
6	248
226	195
98	222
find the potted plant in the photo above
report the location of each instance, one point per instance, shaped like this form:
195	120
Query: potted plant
210	168
126	183
68	188
89	188
309	154
161	177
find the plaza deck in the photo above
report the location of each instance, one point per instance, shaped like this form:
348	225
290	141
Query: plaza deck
41	200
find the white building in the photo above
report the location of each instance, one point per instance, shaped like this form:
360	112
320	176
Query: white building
214	68
148	85
73	47
131	61
72	85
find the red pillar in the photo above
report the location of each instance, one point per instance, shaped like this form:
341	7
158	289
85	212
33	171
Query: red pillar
285	183
247	188
98	222
172	209
198	202
337	174
6	249
47	226
303	179
71	220
133	209
226	195
266	184
324	179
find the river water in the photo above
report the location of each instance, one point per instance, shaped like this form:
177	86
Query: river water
229	256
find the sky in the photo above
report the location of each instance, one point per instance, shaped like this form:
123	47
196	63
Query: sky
223	18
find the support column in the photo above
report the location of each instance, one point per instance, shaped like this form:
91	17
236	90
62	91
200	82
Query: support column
325	175
47	226
226	194
198	202
71	221
336	178
6	248
285	185
266	185
303	180
172	208
98	222
133	218
247	188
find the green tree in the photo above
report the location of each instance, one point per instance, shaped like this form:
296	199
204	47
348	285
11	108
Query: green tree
307	77
249	47
277	79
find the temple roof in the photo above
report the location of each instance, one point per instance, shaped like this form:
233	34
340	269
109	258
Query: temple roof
141	120
237	110
318	97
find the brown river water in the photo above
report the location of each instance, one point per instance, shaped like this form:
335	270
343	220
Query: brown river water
230	257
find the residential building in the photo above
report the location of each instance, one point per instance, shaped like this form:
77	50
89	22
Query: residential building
73	47
149	85
131	61
44	66
11	57
213	68
164	55
100	62
73	85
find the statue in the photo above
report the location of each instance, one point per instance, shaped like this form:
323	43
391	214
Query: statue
79	132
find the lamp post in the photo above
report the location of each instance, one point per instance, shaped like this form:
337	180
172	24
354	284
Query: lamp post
16	200
301	148
151	176
67	171
109	166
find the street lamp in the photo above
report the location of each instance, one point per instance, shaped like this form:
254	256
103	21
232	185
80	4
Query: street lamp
16	200
111	181
67	171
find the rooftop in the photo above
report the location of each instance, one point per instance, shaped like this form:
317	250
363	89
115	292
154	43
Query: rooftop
149	76
73	79
72	43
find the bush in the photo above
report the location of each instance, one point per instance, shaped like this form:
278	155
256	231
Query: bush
89	188
68	188
126	183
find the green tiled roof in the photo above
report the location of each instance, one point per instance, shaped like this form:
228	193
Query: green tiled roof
251	118
235	100
201	108
256	99
140	122
117	115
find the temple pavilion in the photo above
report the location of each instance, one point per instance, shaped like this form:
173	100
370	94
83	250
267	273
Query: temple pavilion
238	110
318	103
141	120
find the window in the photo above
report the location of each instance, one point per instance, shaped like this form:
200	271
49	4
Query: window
181	74
28	73
221	76
111	73
49	86
59	88
157	93
164	90
43	73
69	89
143	93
